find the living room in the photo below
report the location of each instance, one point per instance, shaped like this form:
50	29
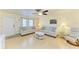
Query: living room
39	28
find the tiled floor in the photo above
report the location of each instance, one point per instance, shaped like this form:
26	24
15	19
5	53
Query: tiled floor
30	42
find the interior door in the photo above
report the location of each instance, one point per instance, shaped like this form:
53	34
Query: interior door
9	25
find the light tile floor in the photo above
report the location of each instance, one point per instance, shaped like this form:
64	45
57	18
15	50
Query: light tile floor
30	42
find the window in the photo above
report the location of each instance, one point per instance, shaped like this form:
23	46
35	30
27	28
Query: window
30	23
27	23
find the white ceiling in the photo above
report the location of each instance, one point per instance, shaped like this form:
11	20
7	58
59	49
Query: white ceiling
25	12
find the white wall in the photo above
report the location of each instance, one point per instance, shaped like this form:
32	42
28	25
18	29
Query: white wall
1	25
68	16
3	19
45	20
10	23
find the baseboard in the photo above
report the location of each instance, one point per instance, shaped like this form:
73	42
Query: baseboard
50	36
12	36
27	34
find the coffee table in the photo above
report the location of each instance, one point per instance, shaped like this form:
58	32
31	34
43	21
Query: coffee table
39	35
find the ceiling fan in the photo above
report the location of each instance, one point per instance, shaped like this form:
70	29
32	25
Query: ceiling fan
41	11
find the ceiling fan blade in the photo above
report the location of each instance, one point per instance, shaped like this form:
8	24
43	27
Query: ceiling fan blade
38	10
44	14
45	11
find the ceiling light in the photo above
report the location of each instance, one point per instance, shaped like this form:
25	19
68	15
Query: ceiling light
40	13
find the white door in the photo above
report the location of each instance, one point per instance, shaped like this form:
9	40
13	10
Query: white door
9	25
2	41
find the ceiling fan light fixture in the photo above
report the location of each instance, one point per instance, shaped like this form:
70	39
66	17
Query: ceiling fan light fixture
40	13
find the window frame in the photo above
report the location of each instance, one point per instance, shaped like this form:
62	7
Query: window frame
27	22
